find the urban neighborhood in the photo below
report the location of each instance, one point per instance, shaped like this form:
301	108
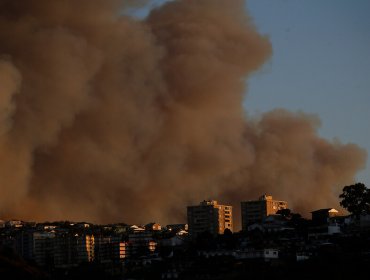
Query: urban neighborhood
272	239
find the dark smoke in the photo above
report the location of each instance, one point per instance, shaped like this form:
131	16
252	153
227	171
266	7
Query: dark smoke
108	118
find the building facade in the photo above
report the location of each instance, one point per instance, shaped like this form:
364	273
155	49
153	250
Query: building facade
85	248
209	216
43	246
110	249
322	216
140	244
255	211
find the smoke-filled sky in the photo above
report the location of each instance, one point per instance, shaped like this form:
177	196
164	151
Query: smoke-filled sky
320	64
324	47
108	117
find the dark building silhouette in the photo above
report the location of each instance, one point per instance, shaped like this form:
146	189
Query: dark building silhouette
321	216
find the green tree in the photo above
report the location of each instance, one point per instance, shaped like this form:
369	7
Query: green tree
356	199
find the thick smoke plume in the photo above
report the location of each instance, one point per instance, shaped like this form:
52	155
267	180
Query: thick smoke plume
108	118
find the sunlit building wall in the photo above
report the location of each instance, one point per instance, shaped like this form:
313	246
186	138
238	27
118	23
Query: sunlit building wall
110	249
255	211
85	248
209	216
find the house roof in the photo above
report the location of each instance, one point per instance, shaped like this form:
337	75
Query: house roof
325	210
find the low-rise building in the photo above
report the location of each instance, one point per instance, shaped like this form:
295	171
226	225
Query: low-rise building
321	216
177	227
153	227
267	254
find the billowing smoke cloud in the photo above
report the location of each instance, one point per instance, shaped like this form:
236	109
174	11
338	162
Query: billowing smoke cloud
108	118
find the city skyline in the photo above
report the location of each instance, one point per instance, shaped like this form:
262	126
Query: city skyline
184	139
283	241
214	216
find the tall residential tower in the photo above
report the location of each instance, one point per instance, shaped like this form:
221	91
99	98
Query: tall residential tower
255	211
209	216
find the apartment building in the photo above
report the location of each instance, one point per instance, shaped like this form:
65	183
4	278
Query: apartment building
256	210
209	216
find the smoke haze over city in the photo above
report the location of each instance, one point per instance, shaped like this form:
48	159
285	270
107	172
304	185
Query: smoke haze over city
105	117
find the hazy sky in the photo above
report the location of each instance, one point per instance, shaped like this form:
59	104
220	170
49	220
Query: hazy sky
168	95
320	65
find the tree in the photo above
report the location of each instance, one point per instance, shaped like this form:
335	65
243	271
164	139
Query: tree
286	213
356	199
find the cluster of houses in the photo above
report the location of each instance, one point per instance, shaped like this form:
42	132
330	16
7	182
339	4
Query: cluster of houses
63	245
120	248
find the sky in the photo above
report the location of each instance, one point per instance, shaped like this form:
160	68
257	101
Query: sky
320	65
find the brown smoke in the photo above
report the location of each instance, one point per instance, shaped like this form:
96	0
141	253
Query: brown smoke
108	118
